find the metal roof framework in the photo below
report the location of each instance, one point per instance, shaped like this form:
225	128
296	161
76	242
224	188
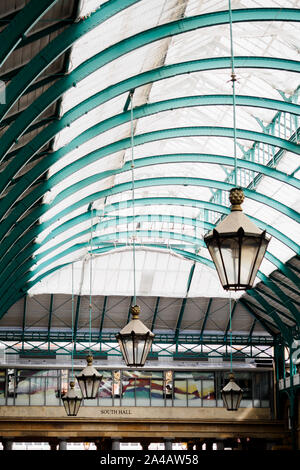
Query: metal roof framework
65	183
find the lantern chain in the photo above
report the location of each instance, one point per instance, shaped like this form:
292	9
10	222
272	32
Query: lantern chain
233	80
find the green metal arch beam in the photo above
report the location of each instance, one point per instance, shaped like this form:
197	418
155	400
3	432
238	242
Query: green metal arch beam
163	201
140	112
285	270
128	220
282	327
145	183
175	158
10	270
11	247
283	298
159	160
18	253
267	325
21	270
196	242
18	127
56	47
42	60
21	24
142	162
167	201
166	105
177	27
287	335
208	226
36	213
18	283
27	254
253	293
150	137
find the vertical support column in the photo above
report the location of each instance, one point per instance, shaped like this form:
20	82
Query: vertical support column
209	444
24	320
292	397
103	444
145	445
53	445
7	444
168	444
62	445
220	445
199	444
279	373
115	443
190	445
297	410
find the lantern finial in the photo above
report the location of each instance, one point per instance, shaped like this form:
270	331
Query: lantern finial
89	360
236	198
135	311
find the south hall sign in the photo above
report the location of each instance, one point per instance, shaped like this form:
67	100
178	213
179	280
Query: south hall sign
116	411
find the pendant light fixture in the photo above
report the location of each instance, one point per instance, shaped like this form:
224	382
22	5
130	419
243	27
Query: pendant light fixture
72	399
89	379
232	392
236	245
135	339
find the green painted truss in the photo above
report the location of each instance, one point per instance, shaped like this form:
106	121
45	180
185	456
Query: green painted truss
22	191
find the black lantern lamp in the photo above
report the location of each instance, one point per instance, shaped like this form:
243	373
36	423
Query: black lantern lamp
237	246
89	380
72	400
232	394
135	340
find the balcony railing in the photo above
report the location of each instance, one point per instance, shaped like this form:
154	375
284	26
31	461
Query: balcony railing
286	383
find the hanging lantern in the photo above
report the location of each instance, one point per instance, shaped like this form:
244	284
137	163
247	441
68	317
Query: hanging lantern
237	246
135	340
72	401
232	394
89	380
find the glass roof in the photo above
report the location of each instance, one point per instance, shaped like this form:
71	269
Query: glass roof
182	150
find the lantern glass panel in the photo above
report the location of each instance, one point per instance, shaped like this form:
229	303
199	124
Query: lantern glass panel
230	253
72	405
71	402
237	258
215	253
232	397
260	250
89	385
135	348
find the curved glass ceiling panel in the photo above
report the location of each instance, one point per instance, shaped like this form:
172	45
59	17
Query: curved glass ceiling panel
161	272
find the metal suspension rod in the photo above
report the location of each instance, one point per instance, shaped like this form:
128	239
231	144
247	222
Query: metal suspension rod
133	196
230	330
233	80
90	297
72	356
